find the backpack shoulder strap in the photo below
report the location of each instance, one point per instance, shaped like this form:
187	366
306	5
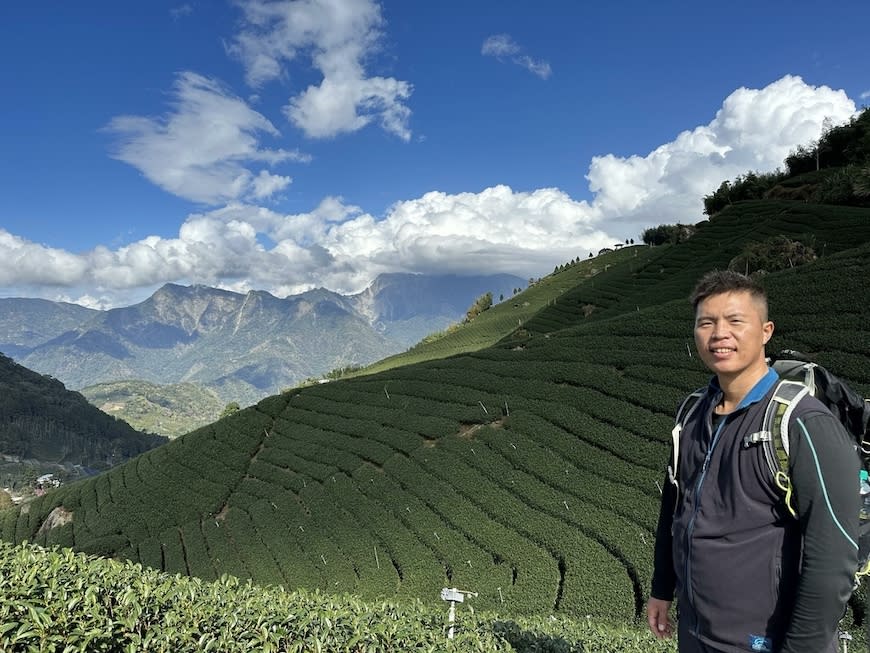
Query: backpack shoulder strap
684	412
774	436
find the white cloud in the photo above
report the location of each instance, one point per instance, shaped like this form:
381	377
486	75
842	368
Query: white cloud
754	130
341	247
865	95
266	184
27	263
200	150
540	68
503	45
333	108
338	36
499	45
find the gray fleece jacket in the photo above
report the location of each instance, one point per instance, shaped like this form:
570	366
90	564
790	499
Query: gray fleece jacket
747	575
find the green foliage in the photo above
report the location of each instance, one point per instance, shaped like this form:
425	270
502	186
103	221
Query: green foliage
55	600
44	428
59	601
843	145
341	372
749	186
849	185
481	304
170	410
844	150
861	183
771	255
503	319
665	234
229	409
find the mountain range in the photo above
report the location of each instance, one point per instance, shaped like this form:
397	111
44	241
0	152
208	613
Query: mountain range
241	346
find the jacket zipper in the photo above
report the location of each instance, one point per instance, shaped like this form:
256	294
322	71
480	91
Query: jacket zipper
695	509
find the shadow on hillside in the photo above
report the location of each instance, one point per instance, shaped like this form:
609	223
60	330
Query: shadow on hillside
527	641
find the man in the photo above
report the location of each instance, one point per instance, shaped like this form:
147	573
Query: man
748	576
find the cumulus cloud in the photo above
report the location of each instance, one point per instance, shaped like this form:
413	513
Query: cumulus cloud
503	46
335	245
266	184
24	262
755	129
201	149
337	36
242	246
865	95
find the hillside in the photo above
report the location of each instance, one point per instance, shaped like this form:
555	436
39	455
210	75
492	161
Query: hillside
625	280
526	471
506	317
25	323
170	410
44	428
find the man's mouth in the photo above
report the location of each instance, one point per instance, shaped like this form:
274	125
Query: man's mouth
722	350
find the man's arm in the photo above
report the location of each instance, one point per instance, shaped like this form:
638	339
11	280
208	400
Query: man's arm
824	476
663	580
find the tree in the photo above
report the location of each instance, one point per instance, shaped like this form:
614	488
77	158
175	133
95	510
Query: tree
481	304
668	234
799	161
229	409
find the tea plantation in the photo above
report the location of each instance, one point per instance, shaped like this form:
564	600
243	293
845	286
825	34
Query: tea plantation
527	471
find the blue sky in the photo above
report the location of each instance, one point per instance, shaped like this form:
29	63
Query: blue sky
285	145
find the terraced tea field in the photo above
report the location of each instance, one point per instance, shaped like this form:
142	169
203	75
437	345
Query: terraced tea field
527	471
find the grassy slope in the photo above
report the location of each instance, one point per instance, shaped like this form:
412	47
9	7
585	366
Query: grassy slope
525	471
503	318
169	410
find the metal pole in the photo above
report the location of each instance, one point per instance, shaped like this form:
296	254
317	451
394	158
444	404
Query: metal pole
451	617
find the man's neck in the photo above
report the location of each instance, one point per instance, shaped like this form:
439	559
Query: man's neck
734	389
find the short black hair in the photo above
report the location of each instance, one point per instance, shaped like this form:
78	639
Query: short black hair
717	282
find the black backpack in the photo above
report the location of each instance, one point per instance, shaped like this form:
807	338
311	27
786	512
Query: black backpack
799	377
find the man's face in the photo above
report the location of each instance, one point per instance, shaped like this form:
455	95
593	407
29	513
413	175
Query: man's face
731	330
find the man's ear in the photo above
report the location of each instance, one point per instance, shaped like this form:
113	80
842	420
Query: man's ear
767	330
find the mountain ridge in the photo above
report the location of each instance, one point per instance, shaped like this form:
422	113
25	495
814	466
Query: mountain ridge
243	346
45	428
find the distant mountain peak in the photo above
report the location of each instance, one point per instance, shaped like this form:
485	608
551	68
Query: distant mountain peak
248	345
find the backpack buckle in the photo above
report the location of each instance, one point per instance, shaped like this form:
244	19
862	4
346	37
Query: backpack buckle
756	438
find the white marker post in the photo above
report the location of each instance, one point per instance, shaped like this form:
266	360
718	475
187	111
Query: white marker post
454	596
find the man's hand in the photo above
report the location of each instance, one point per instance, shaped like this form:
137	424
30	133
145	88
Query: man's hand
657	618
